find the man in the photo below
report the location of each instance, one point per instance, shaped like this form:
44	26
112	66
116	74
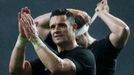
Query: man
71	59
106	50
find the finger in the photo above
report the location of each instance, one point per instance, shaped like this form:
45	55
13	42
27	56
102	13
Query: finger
28	26
24	19
105	5
26	16
31	23
104	1
100	3
19	15
31	19
27	10
19	22
21	30
26	31
23	10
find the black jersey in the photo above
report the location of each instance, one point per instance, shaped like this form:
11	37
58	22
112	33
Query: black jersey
82	58
105	55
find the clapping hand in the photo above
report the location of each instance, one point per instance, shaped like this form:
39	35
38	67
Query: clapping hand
27	27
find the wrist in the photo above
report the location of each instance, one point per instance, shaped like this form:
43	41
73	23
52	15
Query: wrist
21	42
37	42
34	39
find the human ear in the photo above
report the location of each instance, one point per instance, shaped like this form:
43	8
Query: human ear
75	26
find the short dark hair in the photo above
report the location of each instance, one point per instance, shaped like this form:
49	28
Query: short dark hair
79	21
62	12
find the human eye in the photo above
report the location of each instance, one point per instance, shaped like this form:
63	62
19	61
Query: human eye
52	26
62	25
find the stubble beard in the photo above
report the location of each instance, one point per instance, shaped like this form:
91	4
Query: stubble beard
61	42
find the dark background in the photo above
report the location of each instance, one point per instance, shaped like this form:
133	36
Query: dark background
123	9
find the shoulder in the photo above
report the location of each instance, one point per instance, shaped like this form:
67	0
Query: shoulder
82	51
84	61
104	48
102	43
83	54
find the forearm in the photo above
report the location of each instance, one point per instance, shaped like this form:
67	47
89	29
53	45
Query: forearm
120	31
43	19
115	25
48	58
42	23
17	56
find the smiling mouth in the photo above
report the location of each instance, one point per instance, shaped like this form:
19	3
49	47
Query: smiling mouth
57	36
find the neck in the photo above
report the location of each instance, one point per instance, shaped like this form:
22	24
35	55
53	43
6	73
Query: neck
67	46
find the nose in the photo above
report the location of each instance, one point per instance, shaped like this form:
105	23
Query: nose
56	27
56	30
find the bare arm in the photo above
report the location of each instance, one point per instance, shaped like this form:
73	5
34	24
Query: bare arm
42	23
120	30
43	19
18	65
51	60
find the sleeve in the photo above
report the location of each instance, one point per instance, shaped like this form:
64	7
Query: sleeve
84	62
38	68
104	49
105	55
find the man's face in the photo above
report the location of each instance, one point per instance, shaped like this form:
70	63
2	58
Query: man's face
61	29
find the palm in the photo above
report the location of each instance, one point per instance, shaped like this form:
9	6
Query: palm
20	22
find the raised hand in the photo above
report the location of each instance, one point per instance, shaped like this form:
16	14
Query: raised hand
20	23
28	25
102	7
